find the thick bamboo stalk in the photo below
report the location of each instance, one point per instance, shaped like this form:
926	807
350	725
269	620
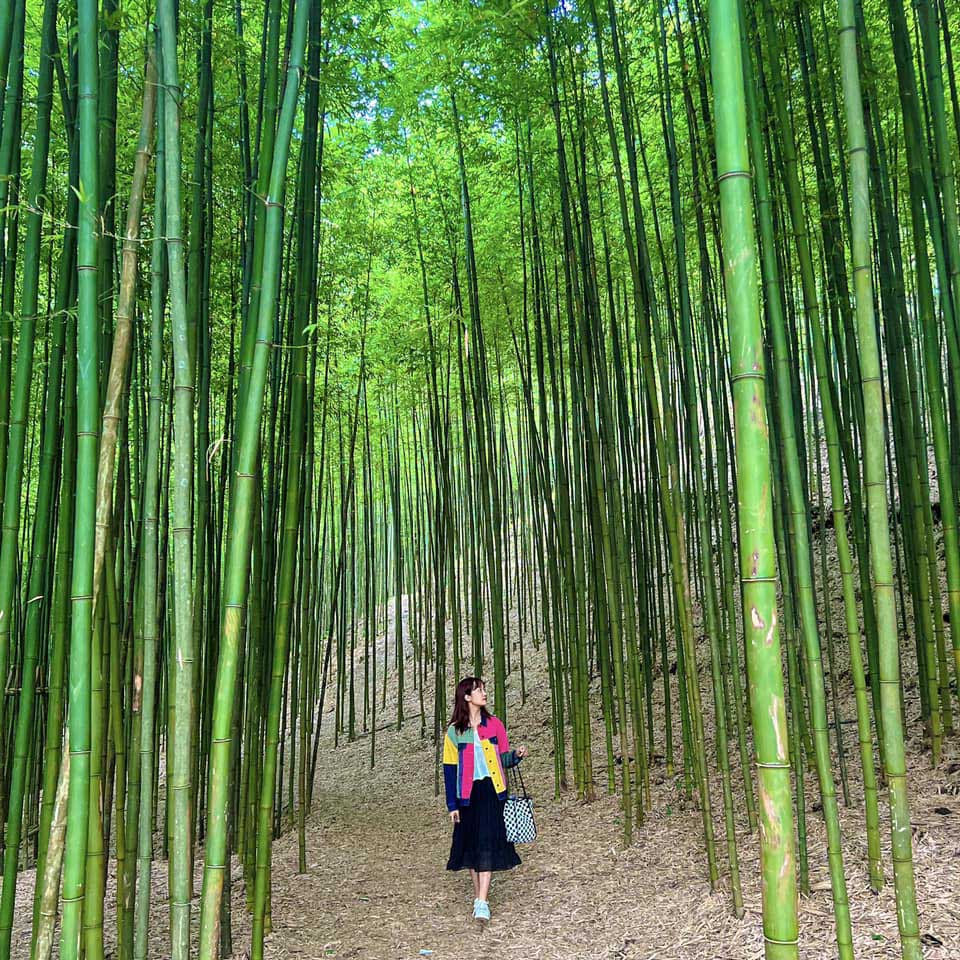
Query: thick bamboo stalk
757	556
81	622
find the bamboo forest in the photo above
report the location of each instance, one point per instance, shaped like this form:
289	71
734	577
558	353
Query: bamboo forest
608	350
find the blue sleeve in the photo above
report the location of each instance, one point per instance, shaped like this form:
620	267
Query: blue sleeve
508	757
451	765
450	785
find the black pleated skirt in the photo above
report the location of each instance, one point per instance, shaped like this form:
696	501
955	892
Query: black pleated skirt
480	838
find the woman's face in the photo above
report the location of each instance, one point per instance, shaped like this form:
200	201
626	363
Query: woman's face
478	696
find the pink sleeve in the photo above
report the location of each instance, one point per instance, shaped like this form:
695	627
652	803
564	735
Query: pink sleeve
505	742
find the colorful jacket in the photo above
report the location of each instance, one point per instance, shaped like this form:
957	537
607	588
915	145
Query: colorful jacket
458	760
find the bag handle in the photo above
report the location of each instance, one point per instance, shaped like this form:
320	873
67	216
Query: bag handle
523	786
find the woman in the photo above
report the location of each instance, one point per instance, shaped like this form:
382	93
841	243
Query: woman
476	752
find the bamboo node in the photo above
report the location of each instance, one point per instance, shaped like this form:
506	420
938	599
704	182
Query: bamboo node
733	173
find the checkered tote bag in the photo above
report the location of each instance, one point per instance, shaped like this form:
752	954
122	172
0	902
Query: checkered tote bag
518	815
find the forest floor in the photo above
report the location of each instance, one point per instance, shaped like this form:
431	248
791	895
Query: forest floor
376	887
378	840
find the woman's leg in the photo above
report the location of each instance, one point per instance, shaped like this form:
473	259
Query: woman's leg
475	877
483	889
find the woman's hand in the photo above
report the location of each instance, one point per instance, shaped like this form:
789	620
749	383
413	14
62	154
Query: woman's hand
454	816
521	752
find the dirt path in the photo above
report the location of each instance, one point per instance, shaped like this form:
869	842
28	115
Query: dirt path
376	886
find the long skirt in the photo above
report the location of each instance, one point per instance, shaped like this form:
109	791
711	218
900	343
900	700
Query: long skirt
480	838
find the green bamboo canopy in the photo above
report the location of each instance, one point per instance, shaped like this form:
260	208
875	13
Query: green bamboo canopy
611	350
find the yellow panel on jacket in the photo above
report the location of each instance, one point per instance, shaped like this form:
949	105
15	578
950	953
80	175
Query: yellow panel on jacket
493	765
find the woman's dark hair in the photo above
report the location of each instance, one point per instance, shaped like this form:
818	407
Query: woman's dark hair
461	709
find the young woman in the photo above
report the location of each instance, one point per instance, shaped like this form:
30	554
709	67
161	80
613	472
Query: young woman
476	754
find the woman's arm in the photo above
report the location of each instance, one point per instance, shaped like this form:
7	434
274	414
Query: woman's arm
509	758
450	765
